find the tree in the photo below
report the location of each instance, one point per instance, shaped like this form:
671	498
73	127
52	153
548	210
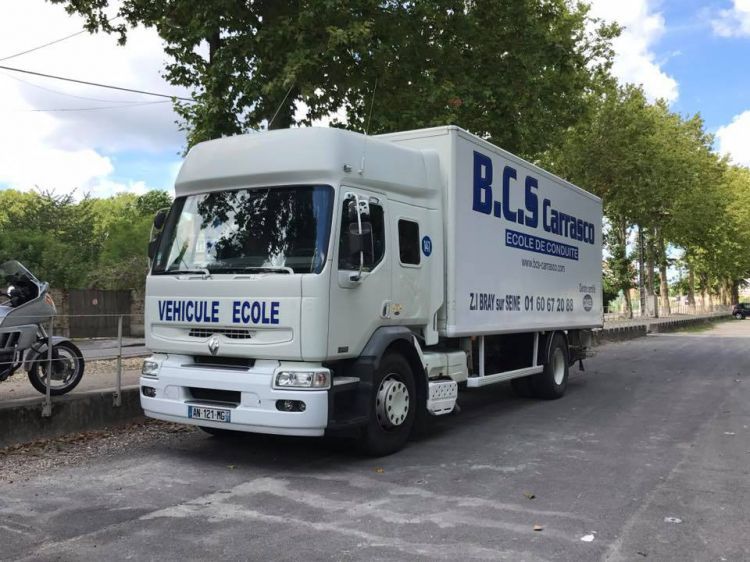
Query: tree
518	73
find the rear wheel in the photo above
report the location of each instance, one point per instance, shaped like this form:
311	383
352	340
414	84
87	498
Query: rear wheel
551	383
393	407
67	369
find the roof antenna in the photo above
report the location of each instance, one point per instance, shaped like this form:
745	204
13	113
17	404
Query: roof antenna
367	129
279	108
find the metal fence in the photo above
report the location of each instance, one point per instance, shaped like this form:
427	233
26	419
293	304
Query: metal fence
675	311
111	351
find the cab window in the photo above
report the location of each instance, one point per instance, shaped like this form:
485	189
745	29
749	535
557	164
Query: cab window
408	242
373	246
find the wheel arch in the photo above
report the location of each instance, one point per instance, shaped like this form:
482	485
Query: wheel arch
545	345
398	339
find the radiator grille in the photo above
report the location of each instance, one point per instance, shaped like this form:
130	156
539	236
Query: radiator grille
231	333
222	362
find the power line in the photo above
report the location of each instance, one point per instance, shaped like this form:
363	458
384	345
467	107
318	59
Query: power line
53	42
65	93
42	46
120	106
95	84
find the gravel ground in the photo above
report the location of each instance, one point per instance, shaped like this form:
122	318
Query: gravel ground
21	463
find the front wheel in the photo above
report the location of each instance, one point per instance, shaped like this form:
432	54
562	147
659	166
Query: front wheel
393	407
739	316
67	369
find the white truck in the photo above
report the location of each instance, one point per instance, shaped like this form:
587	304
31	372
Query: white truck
318	281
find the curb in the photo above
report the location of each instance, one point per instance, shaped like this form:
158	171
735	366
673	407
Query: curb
619	333
21	420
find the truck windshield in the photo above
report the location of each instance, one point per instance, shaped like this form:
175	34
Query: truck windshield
274	230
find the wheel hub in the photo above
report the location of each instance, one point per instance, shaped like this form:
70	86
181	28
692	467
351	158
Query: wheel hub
558	366
392	402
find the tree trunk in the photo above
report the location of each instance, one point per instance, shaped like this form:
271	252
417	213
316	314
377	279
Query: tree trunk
691	287
641	271
663	283
735	292
651	307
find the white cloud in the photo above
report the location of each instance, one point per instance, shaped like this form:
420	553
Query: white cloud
71	149
734	139
635	61
734	22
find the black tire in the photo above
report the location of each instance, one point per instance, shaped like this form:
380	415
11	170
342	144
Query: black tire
739	316
63	354
522	387
387	431
551	383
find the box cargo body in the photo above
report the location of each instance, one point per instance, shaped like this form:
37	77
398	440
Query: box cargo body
522	246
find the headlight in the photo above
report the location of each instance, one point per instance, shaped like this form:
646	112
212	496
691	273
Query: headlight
302	379
150	368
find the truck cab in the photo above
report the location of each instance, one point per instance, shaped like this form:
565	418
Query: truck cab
278	264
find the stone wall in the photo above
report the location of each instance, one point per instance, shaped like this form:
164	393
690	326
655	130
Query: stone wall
62	324
137	302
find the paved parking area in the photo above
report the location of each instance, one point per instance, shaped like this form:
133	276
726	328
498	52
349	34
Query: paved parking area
647	457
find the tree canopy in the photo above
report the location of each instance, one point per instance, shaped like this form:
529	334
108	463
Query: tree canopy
74	244
518	73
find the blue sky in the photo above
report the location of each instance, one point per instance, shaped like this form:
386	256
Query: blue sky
695	54
713	72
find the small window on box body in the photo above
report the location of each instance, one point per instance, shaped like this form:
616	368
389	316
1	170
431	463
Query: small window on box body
408	242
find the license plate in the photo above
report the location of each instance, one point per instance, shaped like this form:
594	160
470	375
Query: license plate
209	414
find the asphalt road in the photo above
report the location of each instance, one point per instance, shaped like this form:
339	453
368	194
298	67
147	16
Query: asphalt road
647	457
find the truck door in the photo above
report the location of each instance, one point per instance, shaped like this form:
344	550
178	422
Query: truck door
411	270
361	280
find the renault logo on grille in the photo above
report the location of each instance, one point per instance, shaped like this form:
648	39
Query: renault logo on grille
213	345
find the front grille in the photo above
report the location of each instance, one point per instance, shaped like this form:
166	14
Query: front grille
9	339
213	395
231	333
233	362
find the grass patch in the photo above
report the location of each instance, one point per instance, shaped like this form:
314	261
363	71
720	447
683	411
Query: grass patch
704	326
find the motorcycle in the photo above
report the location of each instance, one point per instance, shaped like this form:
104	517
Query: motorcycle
26	309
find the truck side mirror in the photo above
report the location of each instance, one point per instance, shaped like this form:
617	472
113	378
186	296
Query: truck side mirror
360	242
152	247
159	219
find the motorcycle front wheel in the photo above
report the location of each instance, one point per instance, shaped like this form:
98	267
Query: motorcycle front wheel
67	369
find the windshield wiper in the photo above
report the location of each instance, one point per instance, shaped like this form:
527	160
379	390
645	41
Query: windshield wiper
205	272
254	269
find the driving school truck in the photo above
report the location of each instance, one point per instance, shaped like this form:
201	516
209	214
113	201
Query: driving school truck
318	281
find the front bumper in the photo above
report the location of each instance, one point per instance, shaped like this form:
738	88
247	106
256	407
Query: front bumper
256	409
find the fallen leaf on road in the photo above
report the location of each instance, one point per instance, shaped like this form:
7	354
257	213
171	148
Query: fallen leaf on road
379	470
672	520
538	527
529	495
231	466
